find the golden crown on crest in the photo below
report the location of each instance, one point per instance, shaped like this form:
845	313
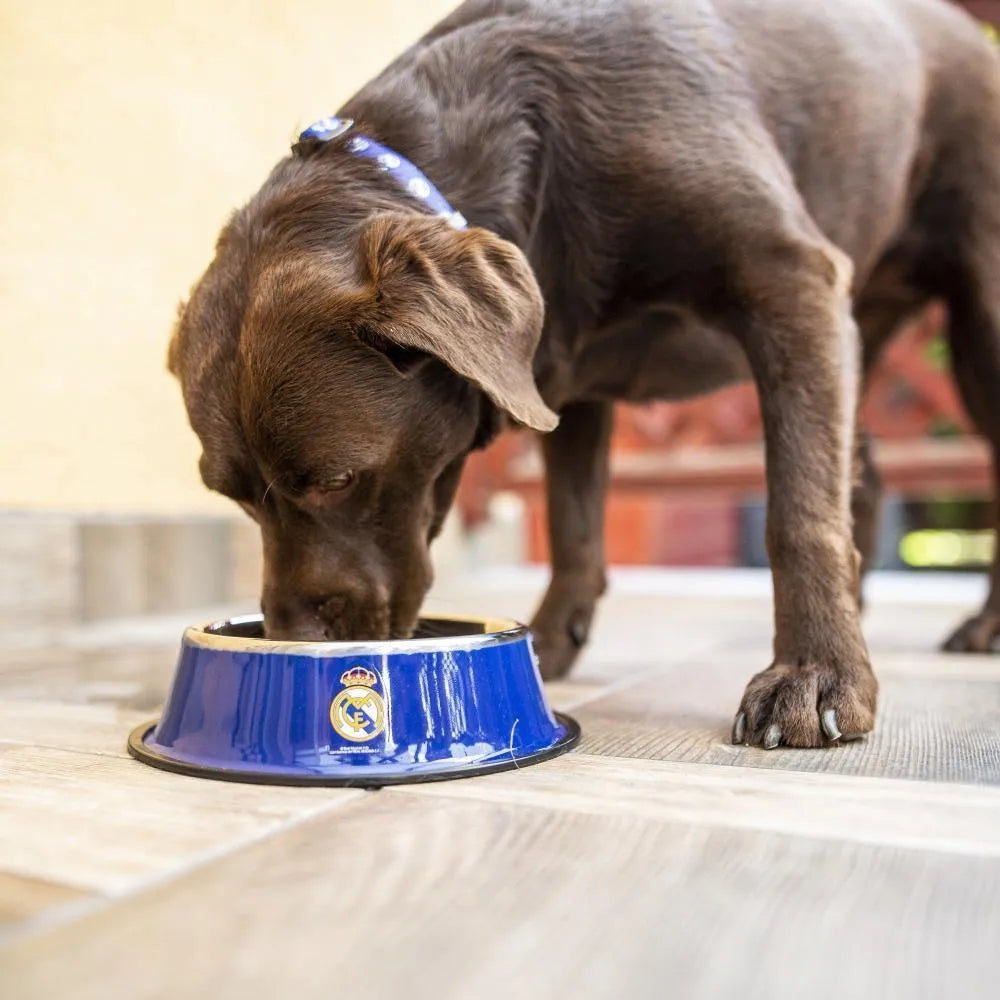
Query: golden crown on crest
358	677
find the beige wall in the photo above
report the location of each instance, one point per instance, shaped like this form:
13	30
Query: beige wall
128	130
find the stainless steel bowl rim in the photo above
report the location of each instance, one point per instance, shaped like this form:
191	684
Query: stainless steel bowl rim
495	631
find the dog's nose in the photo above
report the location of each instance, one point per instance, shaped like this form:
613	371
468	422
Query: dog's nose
350	616
334	617
292	621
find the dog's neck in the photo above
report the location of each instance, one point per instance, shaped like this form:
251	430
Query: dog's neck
504	128
486	155
406	174
494	195
503	125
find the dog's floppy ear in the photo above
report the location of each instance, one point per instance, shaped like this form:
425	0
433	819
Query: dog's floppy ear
466	297
174	348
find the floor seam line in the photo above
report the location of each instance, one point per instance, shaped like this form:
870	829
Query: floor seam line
70	913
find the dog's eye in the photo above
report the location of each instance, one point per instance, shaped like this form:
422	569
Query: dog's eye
338	482
320	490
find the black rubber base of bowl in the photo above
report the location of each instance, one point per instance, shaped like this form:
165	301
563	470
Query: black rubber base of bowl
137	748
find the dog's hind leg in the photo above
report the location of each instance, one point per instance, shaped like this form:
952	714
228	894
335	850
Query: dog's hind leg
962	212
576	472
975	347
974	336
887	302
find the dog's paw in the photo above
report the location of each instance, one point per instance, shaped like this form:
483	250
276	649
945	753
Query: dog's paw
559	631
562	622
808	706
977	635
557	644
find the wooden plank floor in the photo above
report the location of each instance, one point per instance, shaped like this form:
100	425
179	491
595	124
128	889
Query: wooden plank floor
656	861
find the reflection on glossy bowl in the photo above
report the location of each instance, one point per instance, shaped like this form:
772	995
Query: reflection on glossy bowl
462	697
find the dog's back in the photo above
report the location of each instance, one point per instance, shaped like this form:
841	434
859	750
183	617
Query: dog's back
861	98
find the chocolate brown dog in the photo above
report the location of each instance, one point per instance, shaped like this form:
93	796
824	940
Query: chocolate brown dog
664	199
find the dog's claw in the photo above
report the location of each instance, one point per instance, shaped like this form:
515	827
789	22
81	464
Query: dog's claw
772	737
828	719
740	728
578	632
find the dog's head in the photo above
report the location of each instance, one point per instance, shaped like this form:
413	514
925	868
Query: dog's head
338	364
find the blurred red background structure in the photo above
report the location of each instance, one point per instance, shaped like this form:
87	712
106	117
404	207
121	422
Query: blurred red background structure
671	506
985	10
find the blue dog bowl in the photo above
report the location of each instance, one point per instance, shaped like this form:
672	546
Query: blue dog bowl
462	698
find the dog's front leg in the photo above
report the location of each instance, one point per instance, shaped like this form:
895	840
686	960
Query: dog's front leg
576	472
803	348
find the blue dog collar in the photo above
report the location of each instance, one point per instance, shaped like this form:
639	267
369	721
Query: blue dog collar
399	168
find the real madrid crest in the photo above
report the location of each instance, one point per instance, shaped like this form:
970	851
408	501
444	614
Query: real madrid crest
357	713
